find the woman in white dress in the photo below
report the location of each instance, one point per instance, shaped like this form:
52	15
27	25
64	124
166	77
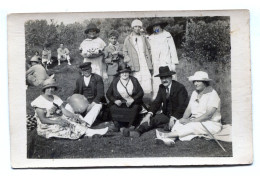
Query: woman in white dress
163	51
202	114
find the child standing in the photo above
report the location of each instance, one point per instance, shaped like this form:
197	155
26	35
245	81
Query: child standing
46	56
113	55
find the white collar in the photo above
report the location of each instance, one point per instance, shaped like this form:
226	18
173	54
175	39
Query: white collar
87	80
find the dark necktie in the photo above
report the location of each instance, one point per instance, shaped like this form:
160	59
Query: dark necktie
167	92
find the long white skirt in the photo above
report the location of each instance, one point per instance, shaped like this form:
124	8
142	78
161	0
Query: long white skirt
194	129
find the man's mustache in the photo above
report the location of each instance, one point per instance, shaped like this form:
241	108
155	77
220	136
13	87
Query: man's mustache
165	82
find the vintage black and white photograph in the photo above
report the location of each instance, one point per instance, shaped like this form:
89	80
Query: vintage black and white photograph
155	85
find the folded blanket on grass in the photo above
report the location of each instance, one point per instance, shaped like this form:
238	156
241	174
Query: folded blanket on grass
224	135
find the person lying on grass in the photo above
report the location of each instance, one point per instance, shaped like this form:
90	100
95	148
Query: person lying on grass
53	120
202	113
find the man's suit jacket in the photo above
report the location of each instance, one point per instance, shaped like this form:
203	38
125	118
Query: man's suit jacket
96	86
178	100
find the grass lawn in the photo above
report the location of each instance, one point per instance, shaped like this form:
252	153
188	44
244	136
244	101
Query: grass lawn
114	145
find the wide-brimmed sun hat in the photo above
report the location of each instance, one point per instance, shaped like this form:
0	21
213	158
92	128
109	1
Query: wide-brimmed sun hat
157	22
50	82
91	26
165	71
123	68
35	59
199	76
136	22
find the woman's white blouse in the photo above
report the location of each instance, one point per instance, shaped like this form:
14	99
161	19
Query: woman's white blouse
207	100
122	90
43	103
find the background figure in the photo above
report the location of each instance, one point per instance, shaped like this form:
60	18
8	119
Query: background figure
137	54
63	54
125	95
92	50
46	56
113	55
36	74
163	51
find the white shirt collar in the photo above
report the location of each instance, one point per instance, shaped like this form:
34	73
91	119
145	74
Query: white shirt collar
86	80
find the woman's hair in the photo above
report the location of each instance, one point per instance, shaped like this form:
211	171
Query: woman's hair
206	83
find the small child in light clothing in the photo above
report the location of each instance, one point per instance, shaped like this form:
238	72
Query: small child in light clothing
46	56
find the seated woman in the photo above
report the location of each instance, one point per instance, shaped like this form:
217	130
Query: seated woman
202	113
125	95
53	120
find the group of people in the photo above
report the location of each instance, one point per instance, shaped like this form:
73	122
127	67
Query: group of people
142	66
37	73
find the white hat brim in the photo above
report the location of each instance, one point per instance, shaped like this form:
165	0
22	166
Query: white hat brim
192	78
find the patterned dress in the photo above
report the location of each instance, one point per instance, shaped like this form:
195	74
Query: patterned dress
74	131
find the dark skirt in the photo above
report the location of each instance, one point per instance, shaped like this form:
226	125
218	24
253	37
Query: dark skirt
125	114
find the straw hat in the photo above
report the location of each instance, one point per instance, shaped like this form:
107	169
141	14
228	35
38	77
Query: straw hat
35	59
199	76
50	82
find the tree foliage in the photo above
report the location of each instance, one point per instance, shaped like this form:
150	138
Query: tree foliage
207	41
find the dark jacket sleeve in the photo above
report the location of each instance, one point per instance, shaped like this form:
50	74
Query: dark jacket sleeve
140	93
183	101
76	90
157	102
110	93
100	89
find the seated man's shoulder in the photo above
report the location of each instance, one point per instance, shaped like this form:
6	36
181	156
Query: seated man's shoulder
96	76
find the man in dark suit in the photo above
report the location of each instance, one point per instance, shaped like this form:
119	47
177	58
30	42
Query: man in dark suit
92	87
173	98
